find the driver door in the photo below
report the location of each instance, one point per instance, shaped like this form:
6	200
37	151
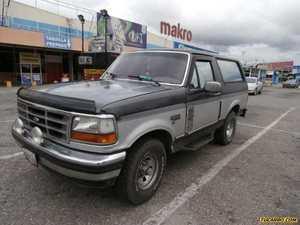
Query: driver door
202	108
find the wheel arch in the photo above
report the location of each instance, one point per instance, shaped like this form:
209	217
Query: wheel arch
235	107
161	134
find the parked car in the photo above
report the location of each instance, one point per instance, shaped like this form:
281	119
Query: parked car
120	129
293	83
255	86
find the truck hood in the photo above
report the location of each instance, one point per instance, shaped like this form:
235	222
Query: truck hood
103	92
105	96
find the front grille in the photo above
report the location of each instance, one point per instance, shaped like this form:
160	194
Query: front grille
54	124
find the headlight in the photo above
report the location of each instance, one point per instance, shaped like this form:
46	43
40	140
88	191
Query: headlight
94	129
19	126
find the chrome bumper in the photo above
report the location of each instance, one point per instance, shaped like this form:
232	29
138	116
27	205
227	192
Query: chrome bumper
76	164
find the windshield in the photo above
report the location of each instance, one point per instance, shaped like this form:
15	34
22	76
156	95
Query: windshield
166	67
251	80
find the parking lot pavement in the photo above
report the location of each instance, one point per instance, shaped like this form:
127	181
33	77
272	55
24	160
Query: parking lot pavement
263	179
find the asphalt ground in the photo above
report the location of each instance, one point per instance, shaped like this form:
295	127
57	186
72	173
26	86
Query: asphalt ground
257	175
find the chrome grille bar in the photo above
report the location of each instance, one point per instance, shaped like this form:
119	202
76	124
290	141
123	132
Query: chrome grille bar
54	124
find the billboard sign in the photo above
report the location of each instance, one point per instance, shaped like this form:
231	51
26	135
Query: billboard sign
120	33
54	41
175	31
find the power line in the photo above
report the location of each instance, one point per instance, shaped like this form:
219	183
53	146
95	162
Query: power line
67	5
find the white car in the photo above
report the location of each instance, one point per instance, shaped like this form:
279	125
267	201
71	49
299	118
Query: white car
255	86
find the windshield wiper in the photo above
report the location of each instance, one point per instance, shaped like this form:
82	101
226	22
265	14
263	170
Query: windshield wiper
144	78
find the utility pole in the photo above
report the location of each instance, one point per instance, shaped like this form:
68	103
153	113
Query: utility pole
105	16
82	20
2	14
82	37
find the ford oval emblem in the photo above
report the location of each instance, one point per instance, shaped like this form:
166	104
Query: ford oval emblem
36	119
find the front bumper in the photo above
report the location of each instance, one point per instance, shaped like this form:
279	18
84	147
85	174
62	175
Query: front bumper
73	163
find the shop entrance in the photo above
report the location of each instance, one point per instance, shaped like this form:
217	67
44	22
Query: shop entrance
30	69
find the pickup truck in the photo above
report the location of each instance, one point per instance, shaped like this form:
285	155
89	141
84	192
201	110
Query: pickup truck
119	130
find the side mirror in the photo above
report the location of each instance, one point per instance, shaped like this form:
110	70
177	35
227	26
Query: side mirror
213	87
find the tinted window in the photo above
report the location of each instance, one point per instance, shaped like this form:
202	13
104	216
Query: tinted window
161	66
205	72
230	70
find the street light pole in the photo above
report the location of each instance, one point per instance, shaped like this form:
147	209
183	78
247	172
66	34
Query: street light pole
82	20
105	16
105	34
2	14
82	37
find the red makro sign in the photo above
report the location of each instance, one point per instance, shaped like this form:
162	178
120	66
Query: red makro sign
175	31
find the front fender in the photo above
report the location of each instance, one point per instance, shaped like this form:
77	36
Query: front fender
133	127
147	127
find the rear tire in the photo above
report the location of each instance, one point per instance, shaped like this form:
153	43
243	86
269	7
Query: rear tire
143	170
225	134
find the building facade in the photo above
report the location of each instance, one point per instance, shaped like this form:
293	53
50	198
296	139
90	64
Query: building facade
40	47
277	71
37	46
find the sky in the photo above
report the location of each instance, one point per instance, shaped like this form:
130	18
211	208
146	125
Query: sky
254	31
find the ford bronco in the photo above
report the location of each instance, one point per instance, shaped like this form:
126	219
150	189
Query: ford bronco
121	128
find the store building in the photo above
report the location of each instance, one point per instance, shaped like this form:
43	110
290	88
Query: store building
277	71
37	46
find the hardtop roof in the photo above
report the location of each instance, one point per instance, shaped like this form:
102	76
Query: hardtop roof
190	51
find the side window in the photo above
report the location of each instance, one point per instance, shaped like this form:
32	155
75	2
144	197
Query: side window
205	72
195	79
230	70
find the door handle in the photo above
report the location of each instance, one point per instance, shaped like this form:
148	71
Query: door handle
213	94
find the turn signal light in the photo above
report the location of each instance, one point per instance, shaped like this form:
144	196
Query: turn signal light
94	138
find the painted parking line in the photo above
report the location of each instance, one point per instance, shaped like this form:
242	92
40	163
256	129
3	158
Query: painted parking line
6	121
250	125
164	213
11	156
274	129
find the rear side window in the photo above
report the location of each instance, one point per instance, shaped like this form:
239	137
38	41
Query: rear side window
230	71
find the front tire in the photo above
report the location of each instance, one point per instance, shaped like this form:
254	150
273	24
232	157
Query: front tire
255	92
143	170
225	134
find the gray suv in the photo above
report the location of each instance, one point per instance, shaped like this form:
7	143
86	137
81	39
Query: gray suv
120	129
